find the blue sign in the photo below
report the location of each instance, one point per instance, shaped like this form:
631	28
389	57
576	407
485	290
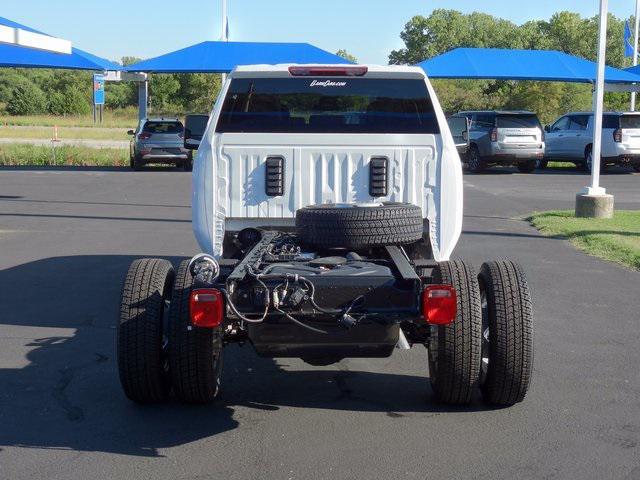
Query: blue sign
98	89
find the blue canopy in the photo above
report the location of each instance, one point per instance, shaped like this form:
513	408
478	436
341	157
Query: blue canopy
222	57
25	57
504	64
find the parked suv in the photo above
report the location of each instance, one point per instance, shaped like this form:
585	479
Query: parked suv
327	201
159	140
504	138
570	138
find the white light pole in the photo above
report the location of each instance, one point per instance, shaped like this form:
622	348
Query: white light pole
593	200
635	50
225	30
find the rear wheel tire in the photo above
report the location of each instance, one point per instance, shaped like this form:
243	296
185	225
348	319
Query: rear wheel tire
474	161
142	361
455	349
507	333
636	167
527	167
136	163
195	353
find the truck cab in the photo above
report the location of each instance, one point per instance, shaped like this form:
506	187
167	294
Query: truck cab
327	201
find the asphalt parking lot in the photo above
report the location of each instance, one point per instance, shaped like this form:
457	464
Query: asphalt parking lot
67	238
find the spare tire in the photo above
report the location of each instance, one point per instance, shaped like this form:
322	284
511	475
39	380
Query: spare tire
356	226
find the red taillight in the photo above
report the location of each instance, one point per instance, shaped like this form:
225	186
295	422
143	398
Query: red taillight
439	304
206	307
494	135
617	135
144	136
299	71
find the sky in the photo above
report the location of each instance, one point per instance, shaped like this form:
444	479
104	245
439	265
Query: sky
369	29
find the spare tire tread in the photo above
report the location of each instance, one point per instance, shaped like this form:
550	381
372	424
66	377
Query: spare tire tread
360	227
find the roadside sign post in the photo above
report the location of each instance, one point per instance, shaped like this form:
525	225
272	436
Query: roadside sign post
593	200
98	97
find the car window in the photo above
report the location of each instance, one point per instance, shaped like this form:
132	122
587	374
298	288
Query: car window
327	105
518	121
163	127
578	122
561	124
484	121
630	121
458	126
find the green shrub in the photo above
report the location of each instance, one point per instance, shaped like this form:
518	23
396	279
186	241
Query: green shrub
26	99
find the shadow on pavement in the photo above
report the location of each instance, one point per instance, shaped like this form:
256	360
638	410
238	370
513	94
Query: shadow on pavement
60	388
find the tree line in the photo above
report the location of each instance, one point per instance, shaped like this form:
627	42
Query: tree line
443	30
60	92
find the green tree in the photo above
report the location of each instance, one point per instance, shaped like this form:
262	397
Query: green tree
26	98
346	55
163	93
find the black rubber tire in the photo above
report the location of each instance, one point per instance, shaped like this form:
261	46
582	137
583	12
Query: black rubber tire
137	163
636	167
455	349
187	165
474	161
356	227
508	315
586	164
195	354
527	167
142	363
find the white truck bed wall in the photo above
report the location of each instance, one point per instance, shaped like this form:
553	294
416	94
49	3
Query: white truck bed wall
229	178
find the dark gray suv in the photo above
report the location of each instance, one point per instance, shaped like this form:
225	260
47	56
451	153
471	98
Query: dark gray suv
159	140
504	138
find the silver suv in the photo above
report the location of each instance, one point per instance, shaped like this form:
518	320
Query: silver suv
569	139
159	140
504	138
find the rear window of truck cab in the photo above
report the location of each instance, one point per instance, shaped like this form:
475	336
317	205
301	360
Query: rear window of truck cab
327	105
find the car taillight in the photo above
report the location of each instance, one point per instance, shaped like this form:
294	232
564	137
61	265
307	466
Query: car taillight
144	136
617	136
439	304
206	307
299	71
494	135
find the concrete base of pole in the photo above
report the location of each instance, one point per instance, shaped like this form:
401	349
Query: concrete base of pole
594	206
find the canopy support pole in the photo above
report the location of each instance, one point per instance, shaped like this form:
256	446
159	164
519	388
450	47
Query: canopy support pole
225	31
635	50
143	98
593	201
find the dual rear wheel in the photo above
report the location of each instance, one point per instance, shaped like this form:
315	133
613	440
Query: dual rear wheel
489	345
159	351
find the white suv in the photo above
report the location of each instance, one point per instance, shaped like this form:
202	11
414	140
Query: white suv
570	139
327	200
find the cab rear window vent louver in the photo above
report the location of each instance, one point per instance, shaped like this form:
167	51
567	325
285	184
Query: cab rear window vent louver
378	177
274	177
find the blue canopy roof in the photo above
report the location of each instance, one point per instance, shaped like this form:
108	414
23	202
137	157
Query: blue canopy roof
504	64
25	57
222	57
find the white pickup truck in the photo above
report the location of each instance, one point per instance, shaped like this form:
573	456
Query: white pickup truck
327	200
